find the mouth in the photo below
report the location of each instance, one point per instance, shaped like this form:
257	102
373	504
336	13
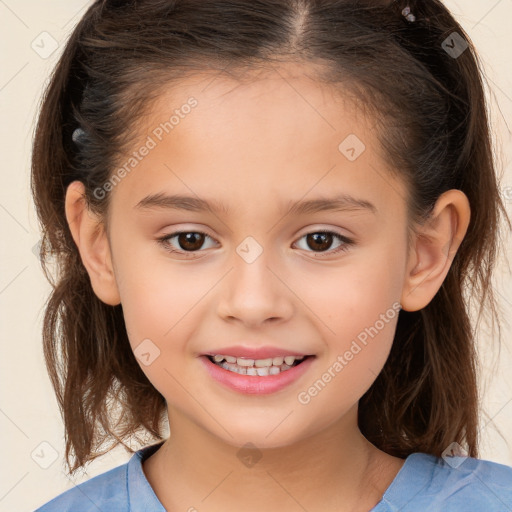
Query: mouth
258	367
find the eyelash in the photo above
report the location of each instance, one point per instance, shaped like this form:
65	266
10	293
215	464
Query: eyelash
164	242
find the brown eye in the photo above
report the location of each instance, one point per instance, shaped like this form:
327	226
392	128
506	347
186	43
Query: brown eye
190	241
185	242
319	241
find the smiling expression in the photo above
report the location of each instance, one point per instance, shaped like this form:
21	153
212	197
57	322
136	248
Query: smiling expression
294	237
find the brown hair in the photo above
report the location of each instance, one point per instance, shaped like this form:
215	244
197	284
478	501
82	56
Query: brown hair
433	127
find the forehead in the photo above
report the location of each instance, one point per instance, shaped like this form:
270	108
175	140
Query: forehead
255	94
277	131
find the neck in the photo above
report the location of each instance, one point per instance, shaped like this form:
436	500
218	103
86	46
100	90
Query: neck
331	470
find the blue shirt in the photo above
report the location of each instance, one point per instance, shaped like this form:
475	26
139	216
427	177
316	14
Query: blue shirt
424	483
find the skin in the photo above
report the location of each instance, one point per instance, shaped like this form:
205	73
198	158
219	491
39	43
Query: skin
255	147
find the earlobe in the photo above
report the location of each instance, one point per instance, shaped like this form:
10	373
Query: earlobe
433	249
92	242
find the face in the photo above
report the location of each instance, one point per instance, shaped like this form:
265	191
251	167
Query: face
256	271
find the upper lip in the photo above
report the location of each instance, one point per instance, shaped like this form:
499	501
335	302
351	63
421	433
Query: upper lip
253	352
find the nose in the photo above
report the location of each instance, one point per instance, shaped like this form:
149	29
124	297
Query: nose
255	293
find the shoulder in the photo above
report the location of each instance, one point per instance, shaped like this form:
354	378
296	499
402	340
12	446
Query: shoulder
123	488
486	484
431	483
107	491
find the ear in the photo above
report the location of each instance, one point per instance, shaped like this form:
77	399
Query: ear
92	242
433	248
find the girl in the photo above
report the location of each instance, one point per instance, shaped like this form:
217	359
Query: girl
269	221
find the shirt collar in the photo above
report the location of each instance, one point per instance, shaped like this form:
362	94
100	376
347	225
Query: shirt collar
141	496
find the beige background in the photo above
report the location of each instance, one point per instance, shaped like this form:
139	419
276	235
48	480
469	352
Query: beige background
28	411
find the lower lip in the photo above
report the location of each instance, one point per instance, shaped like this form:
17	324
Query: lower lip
256	385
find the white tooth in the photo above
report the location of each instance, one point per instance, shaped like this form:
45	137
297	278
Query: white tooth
277	361
236	369
244	362
218	358
262	371
230	359
259	363
299	358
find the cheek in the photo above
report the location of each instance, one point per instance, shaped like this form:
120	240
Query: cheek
157	293
355	353
353	296
357	308
158	307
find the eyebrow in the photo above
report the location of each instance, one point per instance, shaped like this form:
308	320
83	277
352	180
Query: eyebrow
341	202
